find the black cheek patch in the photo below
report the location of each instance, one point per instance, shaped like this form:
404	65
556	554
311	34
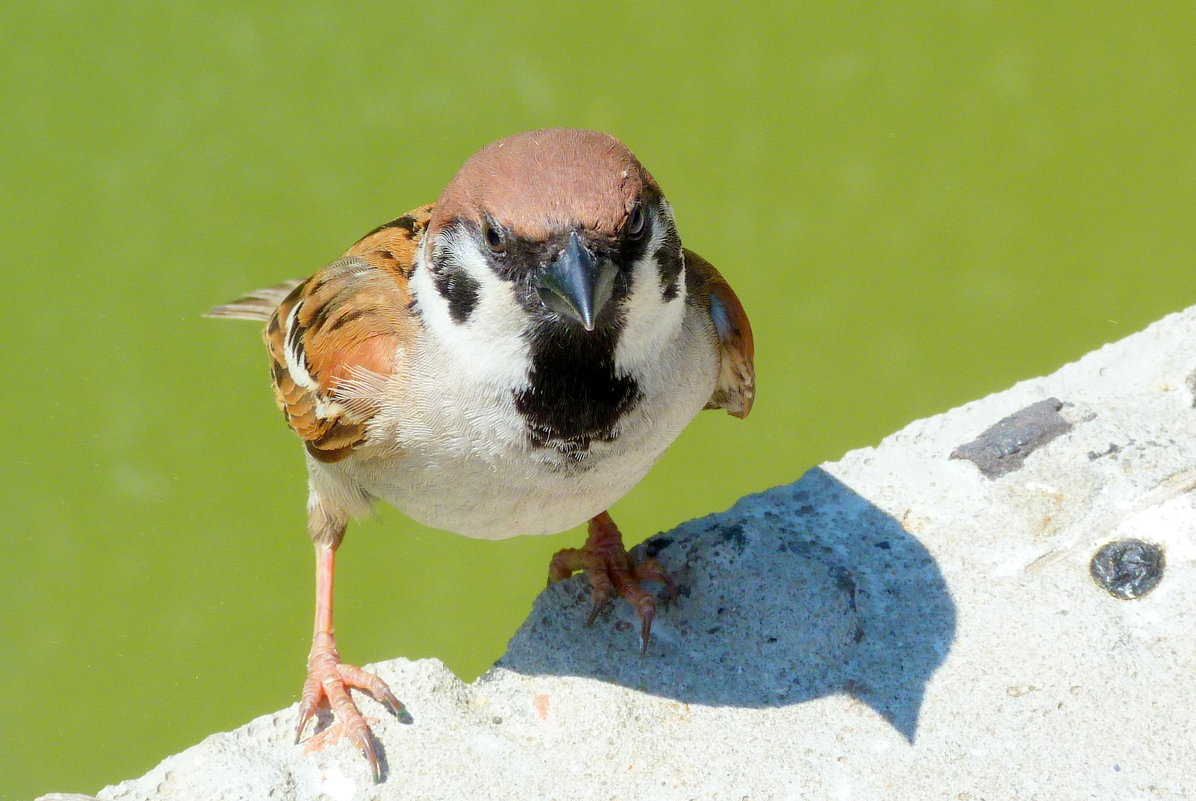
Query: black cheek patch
669	264
668	267
461	292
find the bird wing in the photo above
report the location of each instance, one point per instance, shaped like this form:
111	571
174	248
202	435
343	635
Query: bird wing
333	337
735	389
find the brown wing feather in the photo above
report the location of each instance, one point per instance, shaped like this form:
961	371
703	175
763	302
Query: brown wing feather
333	337
735	390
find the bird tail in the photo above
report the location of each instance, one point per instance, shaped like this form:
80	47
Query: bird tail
257	305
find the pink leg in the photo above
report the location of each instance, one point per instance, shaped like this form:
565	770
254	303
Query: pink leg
329	677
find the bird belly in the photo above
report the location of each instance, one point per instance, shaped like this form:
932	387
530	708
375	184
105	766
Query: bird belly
506	487
477	503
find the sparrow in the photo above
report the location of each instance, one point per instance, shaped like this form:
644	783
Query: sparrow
511	359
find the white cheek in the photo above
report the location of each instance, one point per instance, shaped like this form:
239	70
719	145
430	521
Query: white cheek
651	322
489	346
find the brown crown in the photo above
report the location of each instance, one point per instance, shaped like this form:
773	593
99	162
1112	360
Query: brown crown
546	181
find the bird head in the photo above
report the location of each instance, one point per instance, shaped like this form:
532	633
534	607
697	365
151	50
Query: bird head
556	234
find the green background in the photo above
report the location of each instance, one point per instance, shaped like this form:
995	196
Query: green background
919	203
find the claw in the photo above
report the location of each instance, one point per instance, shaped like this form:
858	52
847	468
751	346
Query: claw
329	678
307	711
611	572
309	701
646	611
366	743
597	604
652	570
393	705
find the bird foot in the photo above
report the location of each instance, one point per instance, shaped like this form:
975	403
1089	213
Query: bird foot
611	572
330	678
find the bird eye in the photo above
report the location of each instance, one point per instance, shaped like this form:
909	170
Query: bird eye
494	236
635	222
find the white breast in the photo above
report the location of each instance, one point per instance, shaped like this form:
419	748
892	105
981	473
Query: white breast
455	455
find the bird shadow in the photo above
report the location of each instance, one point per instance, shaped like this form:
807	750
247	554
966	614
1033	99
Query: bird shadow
801	592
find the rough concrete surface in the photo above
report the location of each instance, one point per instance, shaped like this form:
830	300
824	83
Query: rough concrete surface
895	625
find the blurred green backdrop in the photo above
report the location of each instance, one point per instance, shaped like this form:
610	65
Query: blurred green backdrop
919	203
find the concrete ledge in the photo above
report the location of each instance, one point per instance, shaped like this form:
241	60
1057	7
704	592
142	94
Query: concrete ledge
918	620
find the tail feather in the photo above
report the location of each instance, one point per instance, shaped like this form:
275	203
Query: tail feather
257	305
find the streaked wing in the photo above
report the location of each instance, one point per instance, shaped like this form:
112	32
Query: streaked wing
735	390
333	337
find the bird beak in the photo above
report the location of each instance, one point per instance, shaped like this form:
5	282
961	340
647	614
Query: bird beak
576	284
